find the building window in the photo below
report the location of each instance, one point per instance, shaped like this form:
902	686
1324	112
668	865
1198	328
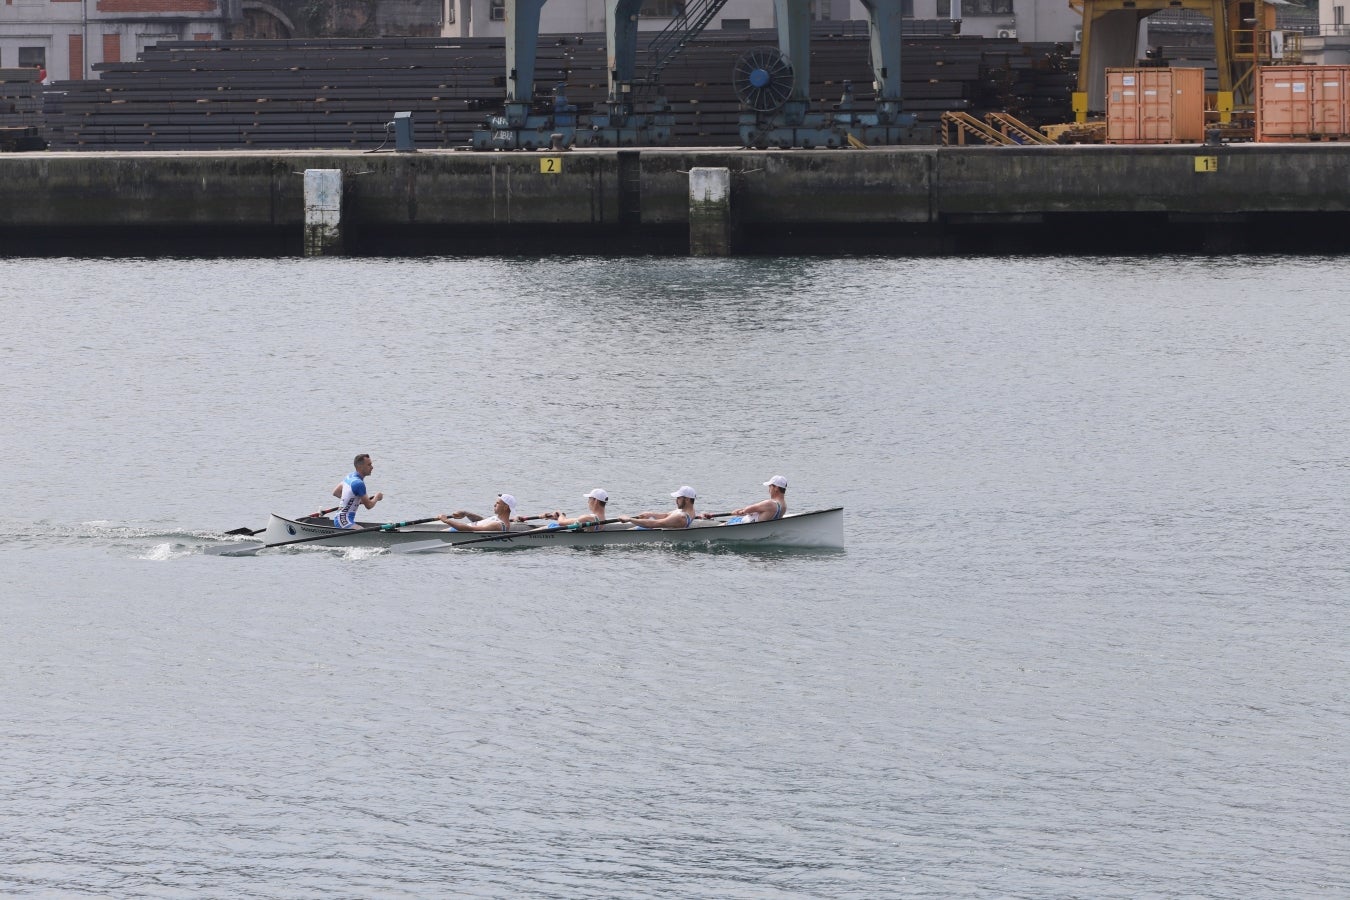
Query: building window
735	24
32	56
662	9
821	10
1338	13
974	8
450	12
497	10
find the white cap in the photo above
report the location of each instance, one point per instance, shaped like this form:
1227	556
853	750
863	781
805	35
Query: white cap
777	481
509	500
685	491
598	494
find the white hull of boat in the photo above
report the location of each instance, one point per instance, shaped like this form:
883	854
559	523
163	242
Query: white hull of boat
820	529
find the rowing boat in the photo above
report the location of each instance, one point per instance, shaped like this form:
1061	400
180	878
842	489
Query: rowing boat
818	529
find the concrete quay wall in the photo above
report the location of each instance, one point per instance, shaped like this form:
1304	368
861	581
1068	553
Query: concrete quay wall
913	199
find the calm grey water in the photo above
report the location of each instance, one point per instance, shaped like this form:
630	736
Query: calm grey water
1088	638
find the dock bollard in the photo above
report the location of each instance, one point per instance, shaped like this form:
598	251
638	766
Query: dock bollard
323	212
710	211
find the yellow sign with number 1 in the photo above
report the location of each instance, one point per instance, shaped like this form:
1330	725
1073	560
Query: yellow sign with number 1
1206	164
550	165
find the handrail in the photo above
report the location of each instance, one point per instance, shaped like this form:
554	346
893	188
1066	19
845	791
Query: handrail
965	124
1015	128
667	43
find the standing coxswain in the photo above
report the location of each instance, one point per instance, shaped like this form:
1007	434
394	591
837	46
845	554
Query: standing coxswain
351	492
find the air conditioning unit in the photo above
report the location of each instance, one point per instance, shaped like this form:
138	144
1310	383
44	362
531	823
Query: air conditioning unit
498	14
1007	32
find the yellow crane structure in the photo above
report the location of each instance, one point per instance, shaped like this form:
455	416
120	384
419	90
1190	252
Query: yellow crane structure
1242	30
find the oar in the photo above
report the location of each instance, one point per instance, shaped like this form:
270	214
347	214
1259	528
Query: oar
249	532
392	526
506	535
577	527
424	546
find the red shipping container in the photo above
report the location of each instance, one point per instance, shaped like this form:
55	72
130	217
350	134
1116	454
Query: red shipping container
1155	106
1299	103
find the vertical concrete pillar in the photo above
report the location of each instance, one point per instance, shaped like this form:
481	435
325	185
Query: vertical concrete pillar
710	212
323	212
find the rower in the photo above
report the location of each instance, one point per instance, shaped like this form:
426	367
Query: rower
588	521
351	492
682	516
500	520
765	510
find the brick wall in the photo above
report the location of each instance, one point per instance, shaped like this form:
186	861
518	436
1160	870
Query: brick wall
112	48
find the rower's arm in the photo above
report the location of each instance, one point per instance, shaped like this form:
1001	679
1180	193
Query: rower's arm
588	519
646	520
370	500
465	524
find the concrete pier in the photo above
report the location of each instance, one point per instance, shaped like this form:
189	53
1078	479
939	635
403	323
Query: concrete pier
906	200
709	211
323	212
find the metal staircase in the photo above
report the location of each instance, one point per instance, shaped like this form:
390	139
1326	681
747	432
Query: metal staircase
962	125
998	129
1015	129
667	43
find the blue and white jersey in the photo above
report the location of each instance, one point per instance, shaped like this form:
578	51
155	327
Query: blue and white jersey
353	490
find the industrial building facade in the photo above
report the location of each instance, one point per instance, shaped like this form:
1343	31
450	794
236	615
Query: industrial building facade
68	37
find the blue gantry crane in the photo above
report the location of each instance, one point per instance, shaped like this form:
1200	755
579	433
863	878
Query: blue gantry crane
772	84
518	127
635	112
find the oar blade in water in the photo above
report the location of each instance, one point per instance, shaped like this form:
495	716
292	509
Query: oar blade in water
233	549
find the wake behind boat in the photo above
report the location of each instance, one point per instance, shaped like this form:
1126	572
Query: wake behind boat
819	529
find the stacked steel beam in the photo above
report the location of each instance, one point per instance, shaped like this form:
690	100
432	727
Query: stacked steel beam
21	118
342	94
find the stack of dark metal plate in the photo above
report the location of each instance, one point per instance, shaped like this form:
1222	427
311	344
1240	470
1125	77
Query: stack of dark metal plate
308	94
21	118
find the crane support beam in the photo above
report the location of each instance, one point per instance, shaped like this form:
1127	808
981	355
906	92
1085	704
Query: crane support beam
794	39
1111	40
522	41
621	32
883	25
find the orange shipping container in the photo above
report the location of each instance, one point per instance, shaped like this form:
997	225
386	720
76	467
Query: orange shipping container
1155	106
1302	103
